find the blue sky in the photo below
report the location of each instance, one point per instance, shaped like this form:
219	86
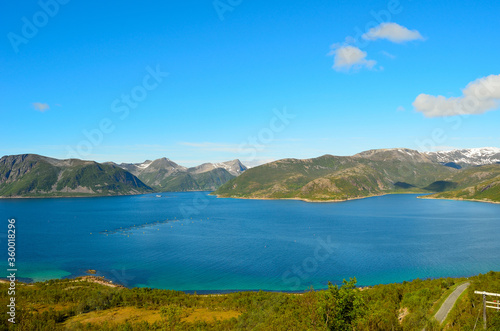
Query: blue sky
255	80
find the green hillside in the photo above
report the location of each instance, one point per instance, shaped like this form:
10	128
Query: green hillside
186	181
338	178
165	175
32	175
477	183
324	178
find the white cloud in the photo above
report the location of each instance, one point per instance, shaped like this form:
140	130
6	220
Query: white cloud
42	107
400	108
347	57
393	32
479	96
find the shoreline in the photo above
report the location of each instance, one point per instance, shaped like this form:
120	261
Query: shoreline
459	199
87	278
98	280
424	196
301	199
101	280
94	195
75	196
320	201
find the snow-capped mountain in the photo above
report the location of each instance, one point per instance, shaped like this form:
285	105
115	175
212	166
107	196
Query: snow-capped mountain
152	166
164	174
467	157
234	167
144	164
401	154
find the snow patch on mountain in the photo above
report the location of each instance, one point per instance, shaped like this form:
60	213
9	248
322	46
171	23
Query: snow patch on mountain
471	156
144	165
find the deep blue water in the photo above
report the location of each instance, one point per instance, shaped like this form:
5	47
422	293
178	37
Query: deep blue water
204	243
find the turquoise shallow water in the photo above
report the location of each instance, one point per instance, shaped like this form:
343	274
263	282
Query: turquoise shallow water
197	242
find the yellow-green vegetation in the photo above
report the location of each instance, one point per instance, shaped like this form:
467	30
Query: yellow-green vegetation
477	183
69	305
114	316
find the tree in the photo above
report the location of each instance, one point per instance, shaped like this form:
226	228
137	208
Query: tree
341	306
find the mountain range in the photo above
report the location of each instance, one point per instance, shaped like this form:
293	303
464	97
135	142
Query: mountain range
31	175
463	158
451	174
472	174
166	175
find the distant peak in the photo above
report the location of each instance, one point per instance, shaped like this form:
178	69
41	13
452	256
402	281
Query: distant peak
468	156
474	150
163	159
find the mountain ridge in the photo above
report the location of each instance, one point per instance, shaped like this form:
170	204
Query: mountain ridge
480	183
460	174
338	178
33	175
467	157
165	175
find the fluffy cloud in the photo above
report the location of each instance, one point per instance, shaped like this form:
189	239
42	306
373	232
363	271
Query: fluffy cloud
42	107
347	57
393	32
478	97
